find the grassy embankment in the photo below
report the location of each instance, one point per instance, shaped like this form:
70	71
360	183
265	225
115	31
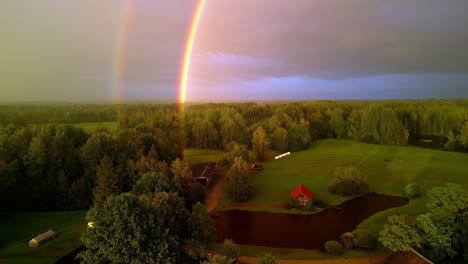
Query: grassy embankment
388	168
16	229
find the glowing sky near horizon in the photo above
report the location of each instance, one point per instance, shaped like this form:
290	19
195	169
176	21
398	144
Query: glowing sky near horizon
244	50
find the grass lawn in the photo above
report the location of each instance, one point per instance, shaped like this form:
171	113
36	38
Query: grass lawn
194	156
388	168
91	127
16	229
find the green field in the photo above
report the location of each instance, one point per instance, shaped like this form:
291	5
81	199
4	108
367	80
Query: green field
16	229
194	156
91	127
388	168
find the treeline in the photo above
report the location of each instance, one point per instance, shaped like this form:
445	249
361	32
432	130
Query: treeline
55	167
21	115
294	126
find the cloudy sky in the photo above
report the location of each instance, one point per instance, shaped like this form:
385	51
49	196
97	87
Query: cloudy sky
56	50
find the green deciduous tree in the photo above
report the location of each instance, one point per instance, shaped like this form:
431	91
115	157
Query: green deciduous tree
235	150
347	239
218	259
230	249
400	234
260	143
182	176
197	193
333	247
348	180
268	258
438	234
128	229
280	139
153	183
107	182
299	136
364	239
412	190
464	134
239	183
201	229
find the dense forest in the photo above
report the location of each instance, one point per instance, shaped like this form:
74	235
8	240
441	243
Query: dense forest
46	163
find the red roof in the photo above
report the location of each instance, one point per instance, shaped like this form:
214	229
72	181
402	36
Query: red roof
301	189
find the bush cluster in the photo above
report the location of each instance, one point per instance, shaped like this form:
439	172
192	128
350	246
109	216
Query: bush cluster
412	190
364	239
348	181
333	247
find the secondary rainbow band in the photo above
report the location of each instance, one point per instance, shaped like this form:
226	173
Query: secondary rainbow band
188	51
121	51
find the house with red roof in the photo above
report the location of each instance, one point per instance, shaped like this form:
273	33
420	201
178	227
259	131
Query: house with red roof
301	195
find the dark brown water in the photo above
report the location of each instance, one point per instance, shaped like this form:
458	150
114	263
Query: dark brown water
433	142
301	231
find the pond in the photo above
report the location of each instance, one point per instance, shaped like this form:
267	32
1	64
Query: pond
433	142
301	231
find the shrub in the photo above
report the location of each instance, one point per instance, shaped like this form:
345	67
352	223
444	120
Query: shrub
217	259
239	181
364	239
197	193
412	190
349	181
333	247
196	249
319	203
267	259
230	249
347	240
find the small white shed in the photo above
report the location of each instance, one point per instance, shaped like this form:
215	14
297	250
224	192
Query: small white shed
42	238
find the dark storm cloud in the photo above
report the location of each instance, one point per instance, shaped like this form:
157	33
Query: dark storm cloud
338	39
66	50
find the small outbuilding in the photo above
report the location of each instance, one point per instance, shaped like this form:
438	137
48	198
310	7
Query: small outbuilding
42	238
204	173
255	168
301	195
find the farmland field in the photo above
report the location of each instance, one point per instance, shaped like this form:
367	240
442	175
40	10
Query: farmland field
16	229
388	168
91	127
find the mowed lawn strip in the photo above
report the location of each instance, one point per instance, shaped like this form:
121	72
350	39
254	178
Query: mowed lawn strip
388	168
16	229
91	127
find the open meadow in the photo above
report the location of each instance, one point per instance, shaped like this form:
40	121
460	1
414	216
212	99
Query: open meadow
388	168
18	228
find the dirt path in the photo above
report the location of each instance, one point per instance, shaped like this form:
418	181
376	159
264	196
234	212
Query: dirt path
360	260
215	193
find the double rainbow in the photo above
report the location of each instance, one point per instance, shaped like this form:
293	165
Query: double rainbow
121	52
182	87
188	51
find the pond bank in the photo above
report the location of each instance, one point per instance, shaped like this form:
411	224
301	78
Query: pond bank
301	231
